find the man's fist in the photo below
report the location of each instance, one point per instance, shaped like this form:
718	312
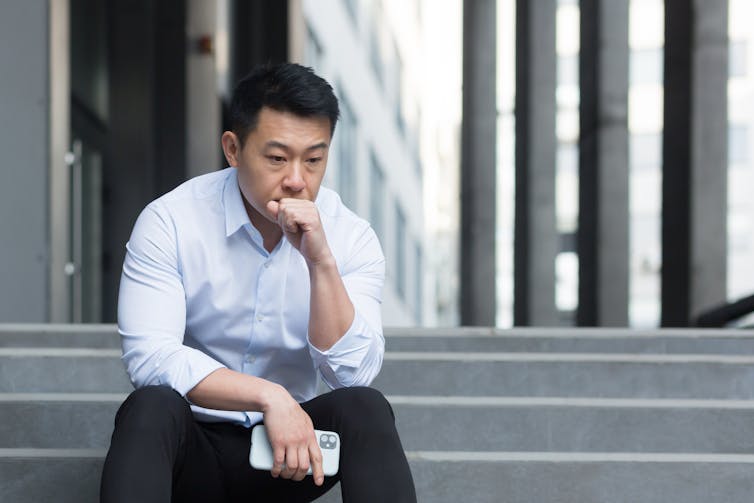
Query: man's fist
300	222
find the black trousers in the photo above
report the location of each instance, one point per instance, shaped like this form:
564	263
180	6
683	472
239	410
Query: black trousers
160	453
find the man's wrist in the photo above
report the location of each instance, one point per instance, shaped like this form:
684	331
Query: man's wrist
324	263
269	394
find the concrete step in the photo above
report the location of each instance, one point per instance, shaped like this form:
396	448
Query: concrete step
564	343
60	475
58	420
445	374
63	476
574	425
446	423
581	478
568	375
72	476
468	339
59	335
62	370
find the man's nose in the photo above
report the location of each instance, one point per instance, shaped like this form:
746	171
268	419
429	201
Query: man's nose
294	181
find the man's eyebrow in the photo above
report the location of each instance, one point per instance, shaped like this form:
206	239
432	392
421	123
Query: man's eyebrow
317	146
277	144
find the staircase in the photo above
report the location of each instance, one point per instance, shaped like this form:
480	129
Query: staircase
521	415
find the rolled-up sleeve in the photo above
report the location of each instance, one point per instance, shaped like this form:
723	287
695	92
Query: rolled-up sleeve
356	359
152	309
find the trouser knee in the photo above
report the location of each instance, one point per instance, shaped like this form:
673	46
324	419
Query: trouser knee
153	409
365	409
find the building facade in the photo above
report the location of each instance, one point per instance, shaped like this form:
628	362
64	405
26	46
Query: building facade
369	51
112	104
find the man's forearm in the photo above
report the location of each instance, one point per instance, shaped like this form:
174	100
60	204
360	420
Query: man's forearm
226	389
331	312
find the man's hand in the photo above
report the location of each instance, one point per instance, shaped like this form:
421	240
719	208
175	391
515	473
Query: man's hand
300	222
291	434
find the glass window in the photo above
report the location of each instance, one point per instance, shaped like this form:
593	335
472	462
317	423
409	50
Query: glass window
645	150
376	195
396	80
566	276
737	55
567	187
375	51
646	66
313	51
346	132
738	148
89	57
568	70
352	7
418	283
400	253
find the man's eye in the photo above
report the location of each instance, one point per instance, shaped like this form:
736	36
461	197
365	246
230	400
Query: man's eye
314	160
276	159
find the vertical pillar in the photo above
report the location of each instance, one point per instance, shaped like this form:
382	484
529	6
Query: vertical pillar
535	232
478	163
29	154
59	83
203	130
694	187
603	164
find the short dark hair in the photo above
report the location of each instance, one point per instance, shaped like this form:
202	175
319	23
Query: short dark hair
285	87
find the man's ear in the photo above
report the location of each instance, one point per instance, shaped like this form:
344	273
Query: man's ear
231	148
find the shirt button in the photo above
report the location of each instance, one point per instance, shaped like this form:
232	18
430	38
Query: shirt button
250	359
260	317
266	265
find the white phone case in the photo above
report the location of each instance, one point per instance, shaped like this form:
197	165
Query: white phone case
260	454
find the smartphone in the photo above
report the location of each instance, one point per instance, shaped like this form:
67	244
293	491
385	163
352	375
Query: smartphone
260	454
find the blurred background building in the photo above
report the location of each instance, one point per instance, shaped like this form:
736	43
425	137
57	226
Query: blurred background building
117	102
372	52
107	105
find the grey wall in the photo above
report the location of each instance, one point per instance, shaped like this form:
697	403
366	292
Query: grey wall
24	157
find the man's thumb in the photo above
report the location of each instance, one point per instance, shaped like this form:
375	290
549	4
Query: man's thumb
273	207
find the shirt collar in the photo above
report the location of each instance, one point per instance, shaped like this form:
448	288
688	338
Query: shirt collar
235	212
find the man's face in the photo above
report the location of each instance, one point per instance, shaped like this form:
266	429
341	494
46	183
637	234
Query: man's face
284	156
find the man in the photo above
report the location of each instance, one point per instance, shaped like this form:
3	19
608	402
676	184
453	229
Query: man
239	289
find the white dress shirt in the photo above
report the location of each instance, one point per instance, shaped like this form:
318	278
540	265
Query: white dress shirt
200	292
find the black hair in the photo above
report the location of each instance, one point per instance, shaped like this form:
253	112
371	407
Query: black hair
285	87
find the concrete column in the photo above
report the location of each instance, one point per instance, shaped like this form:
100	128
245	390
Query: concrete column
535	232
603	164
694	209
478	163
296	32
203	130
29	153
59	82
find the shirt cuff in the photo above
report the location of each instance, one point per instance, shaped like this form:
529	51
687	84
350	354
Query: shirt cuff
339	365
193	368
